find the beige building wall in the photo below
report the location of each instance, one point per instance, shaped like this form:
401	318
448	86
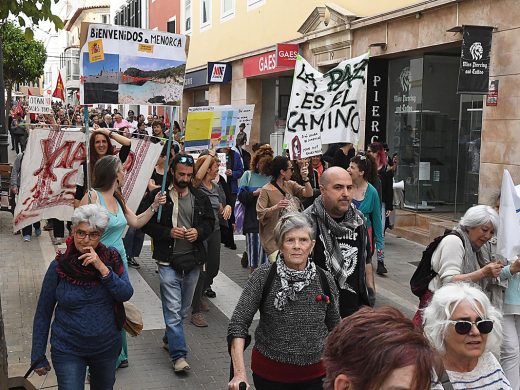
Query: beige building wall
261	26
426	29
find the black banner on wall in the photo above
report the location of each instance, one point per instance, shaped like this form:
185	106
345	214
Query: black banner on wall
377	88
474	60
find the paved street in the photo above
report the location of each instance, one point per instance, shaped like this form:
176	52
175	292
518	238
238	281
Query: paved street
23	265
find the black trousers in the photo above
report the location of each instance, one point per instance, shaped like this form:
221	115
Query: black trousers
264	384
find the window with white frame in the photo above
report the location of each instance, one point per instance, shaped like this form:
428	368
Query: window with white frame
227	8
187	16
205	13
255	3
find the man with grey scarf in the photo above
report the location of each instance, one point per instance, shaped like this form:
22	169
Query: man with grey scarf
342	246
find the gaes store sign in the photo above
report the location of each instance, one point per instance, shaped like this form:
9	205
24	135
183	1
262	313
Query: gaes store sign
261	64
286	54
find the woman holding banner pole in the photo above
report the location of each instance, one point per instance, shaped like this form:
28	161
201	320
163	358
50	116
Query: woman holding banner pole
109	176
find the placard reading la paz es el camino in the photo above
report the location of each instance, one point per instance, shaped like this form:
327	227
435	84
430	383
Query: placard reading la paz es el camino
324	108
125	65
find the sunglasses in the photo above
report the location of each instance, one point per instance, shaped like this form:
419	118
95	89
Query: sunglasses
188	160
464	327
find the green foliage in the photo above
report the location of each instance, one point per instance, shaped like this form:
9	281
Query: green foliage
34	10
24	59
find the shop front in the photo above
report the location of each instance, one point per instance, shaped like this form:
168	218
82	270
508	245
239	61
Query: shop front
196	90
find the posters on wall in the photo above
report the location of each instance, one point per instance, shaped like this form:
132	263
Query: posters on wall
125	65
474	60
49	174
324	108
216	126
40	105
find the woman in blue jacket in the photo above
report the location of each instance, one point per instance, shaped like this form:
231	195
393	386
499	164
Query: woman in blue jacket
84	288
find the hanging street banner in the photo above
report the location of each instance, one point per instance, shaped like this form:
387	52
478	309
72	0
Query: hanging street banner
376	98
474	60
49	168
40	105
215	126
324	108
125	65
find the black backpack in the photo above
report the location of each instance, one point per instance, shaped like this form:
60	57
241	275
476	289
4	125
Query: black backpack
424	273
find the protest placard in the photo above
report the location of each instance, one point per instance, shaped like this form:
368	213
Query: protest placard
40	105
324	108
126	65
245	116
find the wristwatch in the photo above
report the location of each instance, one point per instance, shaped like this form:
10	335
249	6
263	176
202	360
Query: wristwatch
110	134
153	210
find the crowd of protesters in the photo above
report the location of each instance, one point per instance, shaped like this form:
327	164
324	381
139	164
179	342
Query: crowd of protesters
313	228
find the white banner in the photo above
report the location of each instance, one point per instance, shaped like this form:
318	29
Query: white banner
139	168
125	65
245	116
40	105
324	108
508	239
49	167
48	176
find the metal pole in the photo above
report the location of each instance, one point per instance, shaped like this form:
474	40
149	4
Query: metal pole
167	164
87	147
4	144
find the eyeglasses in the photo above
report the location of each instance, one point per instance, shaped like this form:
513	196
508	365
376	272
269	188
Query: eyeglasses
92	235
188	160
464	327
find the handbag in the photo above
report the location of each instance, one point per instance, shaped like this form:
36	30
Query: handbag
240	208
134	319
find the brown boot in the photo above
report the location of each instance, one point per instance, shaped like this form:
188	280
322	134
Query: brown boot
198	320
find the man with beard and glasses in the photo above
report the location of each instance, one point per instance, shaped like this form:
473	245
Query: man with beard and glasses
187	220
342	246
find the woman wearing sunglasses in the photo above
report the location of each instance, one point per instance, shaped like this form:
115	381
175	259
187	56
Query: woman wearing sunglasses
466	330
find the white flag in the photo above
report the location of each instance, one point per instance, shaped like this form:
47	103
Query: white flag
508	237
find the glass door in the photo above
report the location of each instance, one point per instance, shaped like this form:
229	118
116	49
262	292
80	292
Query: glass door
468	153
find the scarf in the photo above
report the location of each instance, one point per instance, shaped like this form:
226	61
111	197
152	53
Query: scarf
473	259
330	230
70	267
292	281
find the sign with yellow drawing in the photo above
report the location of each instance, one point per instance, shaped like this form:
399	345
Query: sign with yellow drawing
95	50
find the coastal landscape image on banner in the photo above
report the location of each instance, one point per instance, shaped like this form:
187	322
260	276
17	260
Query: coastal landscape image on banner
150	80
101	79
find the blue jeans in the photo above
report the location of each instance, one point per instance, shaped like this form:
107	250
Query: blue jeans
176	296
71	369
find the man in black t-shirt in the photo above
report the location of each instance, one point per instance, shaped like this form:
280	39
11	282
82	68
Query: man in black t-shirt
341	239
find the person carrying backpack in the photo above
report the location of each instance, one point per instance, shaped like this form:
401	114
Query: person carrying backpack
457	257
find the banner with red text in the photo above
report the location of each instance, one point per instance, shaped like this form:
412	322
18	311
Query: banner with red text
48	176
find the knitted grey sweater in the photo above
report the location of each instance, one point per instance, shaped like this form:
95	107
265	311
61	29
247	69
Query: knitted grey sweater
294	335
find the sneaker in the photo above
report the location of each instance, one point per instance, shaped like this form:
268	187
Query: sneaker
244	261
165	345
57	241
198	320
27	238
381	269
204	305
132	263
37	232
181	365
123	364
210	293
17	232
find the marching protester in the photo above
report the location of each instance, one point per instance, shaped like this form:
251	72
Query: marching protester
251	184
16	179
377	349
465	329
234	171
298	304
366	199
386	177
342	245
107	122
19	133
83	290
157	132
458	256
187	220
206	171
279	196
312	176
109	176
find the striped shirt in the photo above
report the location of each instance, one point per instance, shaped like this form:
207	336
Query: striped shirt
487	374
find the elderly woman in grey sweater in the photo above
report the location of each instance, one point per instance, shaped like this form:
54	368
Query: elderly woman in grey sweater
298	305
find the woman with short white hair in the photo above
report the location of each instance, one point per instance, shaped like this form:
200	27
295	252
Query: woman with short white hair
466	330
458	258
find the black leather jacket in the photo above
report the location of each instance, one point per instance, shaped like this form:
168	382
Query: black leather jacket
163	243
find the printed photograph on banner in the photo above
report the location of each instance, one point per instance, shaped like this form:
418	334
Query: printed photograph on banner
199	122
40	105
324	107
126	65
223	129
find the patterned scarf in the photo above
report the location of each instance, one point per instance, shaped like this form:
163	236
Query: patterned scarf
70	267
473	259
330	230
292	281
